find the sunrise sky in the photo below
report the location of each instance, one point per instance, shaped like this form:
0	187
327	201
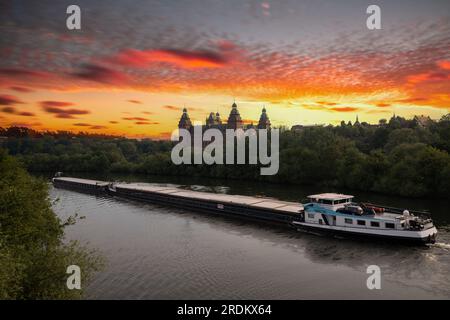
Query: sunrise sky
135	64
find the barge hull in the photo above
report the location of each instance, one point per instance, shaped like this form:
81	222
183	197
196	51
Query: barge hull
429	239
82	185
206	206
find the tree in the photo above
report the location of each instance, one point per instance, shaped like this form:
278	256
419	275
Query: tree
33	256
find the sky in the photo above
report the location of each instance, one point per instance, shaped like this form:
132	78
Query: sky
134	65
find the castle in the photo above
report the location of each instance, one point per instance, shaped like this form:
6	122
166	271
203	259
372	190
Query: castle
234	121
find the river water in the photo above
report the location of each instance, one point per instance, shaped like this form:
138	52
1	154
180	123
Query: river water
157	252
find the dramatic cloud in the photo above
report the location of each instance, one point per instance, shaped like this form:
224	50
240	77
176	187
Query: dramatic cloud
101	74
90	126
135	101
181	58
135	119
286	56
171	108
145	122
10	110
26	114
21	89
7	100
344	109
56	104
412	100
15	72
58	108
444	64
327	103
428	77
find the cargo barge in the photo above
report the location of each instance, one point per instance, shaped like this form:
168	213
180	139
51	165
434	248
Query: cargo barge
328	212
249	207
83	185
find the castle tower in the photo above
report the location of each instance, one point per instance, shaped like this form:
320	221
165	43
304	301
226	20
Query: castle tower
234	120
264	122
210	121
217	119
185	122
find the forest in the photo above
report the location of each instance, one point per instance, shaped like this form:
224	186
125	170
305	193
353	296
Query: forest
397	156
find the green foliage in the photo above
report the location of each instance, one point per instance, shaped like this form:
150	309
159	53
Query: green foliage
398	156
33	257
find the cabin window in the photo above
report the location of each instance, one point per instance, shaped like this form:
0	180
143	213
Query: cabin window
311	215
374	224
361	222
349	221
390	225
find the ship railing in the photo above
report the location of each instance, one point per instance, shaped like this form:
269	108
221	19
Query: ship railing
399	210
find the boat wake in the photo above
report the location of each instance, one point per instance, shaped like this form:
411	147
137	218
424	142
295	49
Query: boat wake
441	245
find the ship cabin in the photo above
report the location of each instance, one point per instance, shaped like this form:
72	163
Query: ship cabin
331	201
341	211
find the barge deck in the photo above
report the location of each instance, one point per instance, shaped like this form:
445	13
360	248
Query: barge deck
266	209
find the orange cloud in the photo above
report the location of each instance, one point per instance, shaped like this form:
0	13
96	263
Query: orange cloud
21	89
59	109
145	122
26	114
49	103
135	118
428	77
97	127
7	100
181	58
344	109
444	64
327	103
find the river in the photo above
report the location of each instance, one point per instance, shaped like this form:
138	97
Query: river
157	252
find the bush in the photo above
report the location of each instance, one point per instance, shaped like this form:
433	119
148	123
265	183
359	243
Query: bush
33	256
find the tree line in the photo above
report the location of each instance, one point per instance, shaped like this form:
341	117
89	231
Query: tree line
399	156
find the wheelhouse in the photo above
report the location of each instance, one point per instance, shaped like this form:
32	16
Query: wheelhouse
332	201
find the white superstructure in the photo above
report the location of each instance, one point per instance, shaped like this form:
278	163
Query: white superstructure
337	213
